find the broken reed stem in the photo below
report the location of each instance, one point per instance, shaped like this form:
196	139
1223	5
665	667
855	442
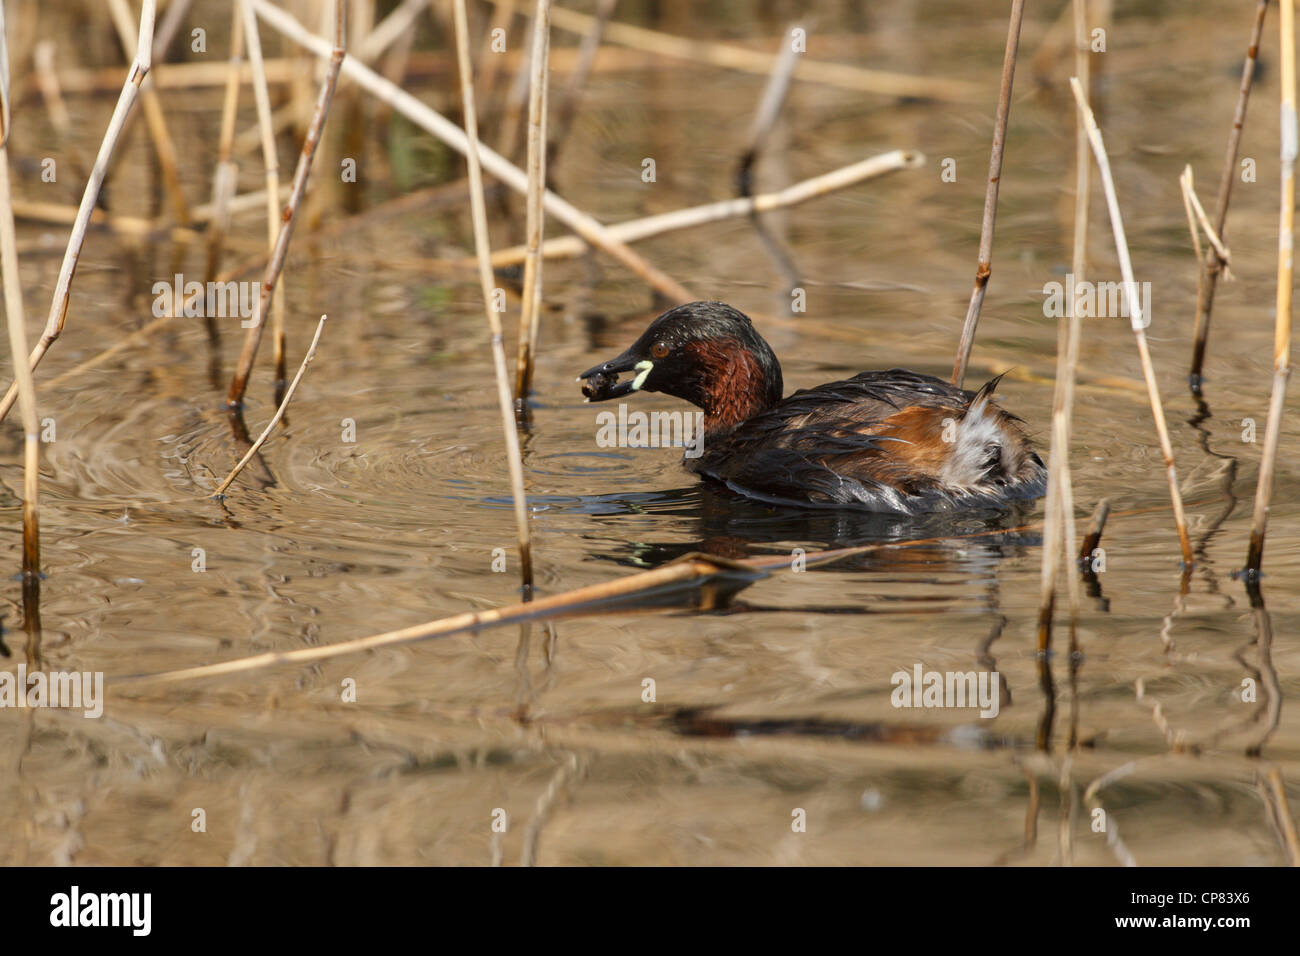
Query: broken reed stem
1137	320
568	247
239	384
1211	265
985	265
1282	328
587	51
769	108
841	75
1216	243
164	148
225	179
13	299
63	288
279	413
478	207
439	126
531	293
271	160
1185	183
1272	779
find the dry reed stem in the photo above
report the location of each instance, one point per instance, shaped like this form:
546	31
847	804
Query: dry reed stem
769	108
14	318
1216	243
1185	183
253	338
63	288
386	32
1134	301
578	77
442	128
489	62
580	601
478	206
1211	266
531	293
271	161
841	75
225	180
279	413
1285	264
1272	780
985	265
164	147
568	247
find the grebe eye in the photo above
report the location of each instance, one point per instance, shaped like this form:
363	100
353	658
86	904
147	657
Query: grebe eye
660	350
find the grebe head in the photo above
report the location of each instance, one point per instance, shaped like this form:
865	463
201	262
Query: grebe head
706	353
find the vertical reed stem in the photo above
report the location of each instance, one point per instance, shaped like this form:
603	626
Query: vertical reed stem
985	266
478	209
1282	328
532	289
1213	264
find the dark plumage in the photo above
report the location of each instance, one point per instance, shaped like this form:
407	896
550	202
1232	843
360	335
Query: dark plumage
894	441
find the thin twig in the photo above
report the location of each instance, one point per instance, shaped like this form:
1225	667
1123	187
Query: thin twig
279	413
1136	318
478	206
985	265
1285	264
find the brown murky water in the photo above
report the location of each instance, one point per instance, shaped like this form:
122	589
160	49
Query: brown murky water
400	525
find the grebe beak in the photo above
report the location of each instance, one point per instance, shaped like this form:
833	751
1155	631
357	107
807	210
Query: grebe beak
600	382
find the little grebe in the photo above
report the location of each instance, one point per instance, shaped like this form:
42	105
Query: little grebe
894	441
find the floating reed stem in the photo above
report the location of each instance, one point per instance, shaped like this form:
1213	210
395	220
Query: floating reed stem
436	124
531	294
13	299
63	288
686	571
253	338
478	207
1213	264
985	265
279	413
1136	318
1282	327
271	160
